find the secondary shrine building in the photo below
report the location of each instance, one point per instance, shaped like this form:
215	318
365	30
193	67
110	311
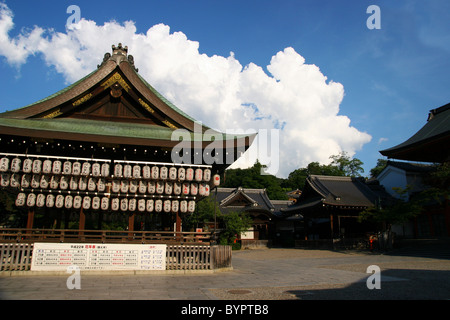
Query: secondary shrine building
106	151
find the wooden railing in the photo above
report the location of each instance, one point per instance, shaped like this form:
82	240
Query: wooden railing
9	235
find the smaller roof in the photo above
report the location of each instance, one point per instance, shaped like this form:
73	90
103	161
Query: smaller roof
430	144
411	166
337	192
243	199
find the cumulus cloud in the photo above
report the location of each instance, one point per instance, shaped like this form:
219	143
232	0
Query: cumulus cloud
293	97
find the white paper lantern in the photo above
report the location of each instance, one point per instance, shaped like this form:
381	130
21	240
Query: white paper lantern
116	186
181	174
191	206
167	205
54	182
47	166
5	179
105	203
163	173
96	170
173	173
202	189
216	179
141	205
133	186
4	164
146	172
207	175
175	205
149	206
37	166
68	201
25	181
40	200
35	181
189	174
76	168
44	182
159	187
207	190
27	165
50	201
56	168
92	184
151	186
124	186
67	167
132	204
86	202
198	174
59	202
96	203
186	188
105	169
183	206
85	169
31	200
168	187
194	189
115	204
77	201
127	171
142	187
137	171
177	187
15	164
82	183
101	185
118	170
21	199
124	204
15	180
155	172
64	183
158	205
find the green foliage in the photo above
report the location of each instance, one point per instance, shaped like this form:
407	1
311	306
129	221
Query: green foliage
402	210
347	166
204	213
234	224
252	178
381	164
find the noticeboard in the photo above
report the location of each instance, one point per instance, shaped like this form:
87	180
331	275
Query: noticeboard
59	256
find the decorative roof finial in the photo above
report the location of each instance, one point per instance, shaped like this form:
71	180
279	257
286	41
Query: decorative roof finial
119	54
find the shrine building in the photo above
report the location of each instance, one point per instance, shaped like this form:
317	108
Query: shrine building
110	149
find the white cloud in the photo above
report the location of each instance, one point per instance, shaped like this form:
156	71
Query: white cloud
294	97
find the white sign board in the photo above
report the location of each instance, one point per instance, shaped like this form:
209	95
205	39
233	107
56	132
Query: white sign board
59	256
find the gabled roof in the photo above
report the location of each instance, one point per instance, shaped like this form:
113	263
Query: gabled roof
337	192
231	199
430	144
112	104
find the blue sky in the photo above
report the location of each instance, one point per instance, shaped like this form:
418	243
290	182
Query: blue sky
391	77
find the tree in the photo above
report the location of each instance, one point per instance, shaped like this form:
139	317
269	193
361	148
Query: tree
234	224
347	166
252	178
375	171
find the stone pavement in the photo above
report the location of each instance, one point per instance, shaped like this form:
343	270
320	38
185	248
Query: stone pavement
265	274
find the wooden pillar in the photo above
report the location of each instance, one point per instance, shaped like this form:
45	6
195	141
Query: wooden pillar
30	219
82	221
331	225
178	225
131	222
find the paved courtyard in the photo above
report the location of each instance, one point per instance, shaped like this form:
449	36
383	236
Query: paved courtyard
265	274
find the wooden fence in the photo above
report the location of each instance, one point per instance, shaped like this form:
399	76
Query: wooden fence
17	257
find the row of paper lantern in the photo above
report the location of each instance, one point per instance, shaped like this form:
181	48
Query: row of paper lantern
104	203
38	166
35	181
